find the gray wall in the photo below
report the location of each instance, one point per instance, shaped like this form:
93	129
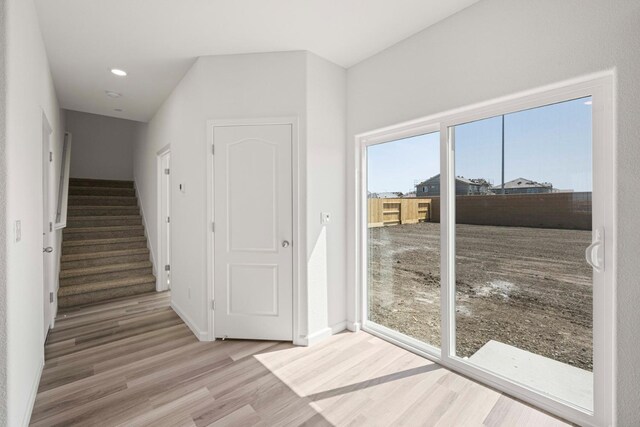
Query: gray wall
102	146
570	211
500	47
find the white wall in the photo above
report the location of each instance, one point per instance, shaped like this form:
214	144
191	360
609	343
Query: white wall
214	88
102	146
250	86
326	192
3	216
499	47
30	93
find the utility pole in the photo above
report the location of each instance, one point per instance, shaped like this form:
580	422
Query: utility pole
502	186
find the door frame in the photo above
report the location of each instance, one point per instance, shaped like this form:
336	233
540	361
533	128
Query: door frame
298	236
160	286
601	87
48	270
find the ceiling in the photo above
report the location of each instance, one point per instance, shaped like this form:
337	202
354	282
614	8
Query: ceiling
156	41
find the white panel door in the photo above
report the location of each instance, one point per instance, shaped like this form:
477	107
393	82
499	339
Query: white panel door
253	280
165	217
47	224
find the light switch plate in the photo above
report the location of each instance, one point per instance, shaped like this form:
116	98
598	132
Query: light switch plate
325	218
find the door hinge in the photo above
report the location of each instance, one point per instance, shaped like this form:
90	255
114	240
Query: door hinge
167	267
168	219
213	304
51	156
50	226
50	296
213	227
167	171
213	149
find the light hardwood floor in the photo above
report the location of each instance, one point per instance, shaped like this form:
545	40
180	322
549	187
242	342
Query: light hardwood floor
133	362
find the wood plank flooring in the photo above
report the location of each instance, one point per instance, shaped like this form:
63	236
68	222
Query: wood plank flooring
133	362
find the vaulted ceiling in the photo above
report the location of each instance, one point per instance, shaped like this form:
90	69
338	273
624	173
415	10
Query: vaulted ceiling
156	41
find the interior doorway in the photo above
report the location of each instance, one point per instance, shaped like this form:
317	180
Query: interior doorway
47	227
164	223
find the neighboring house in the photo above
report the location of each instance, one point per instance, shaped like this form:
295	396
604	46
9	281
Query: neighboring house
523	186
464	187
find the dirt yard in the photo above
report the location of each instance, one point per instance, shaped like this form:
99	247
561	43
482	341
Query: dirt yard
526	287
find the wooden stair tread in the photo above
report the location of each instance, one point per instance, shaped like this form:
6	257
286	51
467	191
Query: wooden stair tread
90	182
102	228
108	268
104	210
99	196
106	241
103	217
103	254
111	207
108	284
97	187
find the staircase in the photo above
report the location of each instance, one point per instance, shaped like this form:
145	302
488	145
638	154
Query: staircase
104	249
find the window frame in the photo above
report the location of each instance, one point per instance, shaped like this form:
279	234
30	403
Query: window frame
601	88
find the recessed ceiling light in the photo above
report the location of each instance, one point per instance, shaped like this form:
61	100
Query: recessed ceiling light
112	94
118	72
119	110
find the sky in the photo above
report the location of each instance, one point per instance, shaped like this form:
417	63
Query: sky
545	144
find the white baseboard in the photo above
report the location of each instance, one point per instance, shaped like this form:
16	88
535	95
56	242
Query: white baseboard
339	327
201	335
300	341
322	334
354	326
318	336
32	395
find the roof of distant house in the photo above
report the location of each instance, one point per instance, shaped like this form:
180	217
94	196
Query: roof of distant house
476	181
523	183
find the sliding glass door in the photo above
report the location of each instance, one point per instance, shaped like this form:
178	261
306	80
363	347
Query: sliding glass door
483	244
524	291
403	241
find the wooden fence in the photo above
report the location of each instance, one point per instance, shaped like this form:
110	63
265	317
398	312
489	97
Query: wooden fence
384	212
554	210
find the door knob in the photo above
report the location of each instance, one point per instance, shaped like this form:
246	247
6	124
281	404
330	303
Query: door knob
48	249
285	244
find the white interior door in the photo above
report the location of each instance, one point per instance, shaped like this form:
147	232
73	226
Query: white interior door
47	228
253	258
165	218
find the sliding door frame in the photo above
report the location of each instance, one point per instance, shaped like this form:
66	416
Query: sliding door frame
601	89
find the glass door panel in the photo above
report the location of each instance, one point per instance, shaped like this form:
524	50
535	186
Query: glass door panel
403	236
523	220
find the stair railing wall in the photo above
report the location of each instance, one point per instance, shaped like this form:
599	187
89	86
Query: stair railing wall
63	185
